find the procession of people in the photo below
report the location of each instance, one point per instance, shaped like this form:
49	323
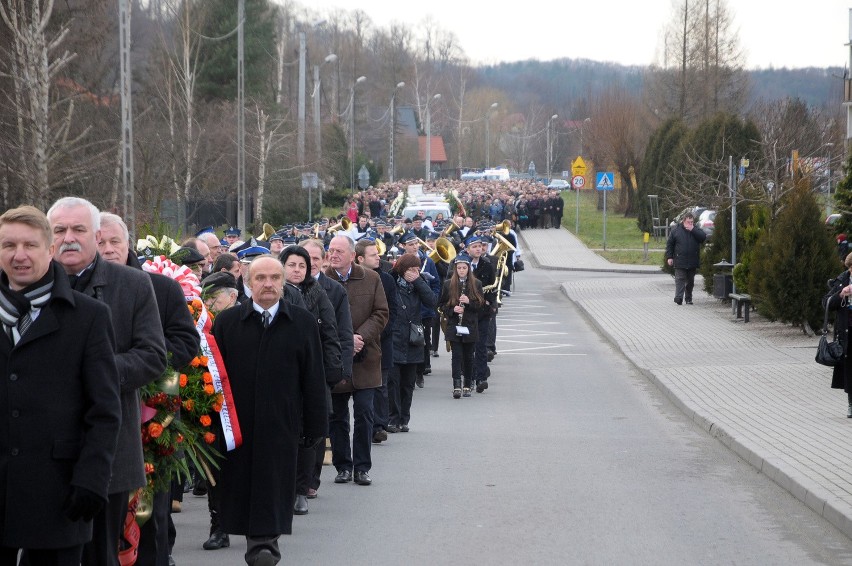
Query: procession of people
310	332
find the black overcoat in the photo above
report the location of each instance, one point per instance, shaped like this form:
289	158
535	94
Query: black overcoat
60	419
413	298
277	380
840	377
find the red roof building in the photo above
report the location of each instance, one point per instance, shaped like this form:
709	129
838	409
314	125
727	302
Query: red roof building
438	155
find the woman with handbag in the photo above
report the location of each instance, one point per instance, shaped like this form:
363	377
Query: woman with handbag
838	300
408	338
460	302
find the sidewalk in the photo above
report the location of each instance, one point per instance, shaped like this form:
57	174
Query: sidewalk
754	386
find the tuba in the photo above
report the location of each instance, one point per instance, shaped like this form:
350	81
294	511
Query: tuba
380	246
344	225
503	245
268	230
397	230
449	229
444	251
503	228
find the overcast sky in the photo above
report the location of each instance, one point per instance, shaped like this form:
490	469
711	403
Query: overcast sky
780	33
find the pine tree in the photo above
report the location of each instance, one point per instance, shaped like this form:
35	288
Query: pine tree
792	262
843	201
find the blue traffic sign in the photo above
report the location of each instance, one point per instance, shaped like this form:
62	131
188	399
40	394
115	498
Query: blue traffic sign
604	181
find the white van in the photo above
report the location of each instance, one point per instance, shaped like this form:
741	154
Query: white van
427	208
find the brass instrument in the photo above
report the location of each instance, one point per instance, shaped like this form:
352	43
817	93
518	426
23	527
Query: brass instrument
503	228
397	230
452	227
427	249
444	251
501	251
268	231
380	246
316	230
344	225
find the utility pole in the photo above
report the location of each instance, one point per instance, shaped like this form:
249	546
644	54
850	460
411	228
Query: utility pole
399	85
300	138
242	218
128	200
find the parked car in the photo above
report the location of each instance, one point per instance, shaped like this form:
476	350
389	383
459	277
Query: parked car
832	219
706	220
559	185
695	210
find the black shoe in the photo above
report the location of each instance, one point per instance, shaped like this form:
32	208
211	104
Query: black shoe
200	489
466	392
217	540
362	478
434	353
457	393
679	301
392	428
379	436
427	371
481	386
300	506
419	381
688	300
491	356
403	428
343	476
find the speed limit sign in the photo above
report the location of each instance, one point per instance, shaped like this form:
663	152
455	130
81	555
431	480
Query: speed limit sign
578	181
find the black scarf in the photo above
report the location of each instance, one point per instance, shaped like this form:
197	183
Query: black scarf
79	282
15	306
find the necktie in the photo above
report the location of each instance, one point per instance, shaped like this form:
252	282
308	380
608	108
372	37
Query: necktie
266	319
25	321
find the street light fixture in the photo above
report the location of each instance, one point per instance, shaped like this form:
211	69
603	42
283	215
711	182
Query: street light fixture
360	79
317	122
398	86
549	147
488	134
429	137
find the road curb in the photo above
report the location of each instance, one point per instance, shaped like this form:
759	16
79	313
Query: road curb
616	267
834	510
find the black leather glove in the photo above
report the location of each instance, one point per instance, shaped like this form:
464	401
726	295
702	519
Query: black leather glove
82	504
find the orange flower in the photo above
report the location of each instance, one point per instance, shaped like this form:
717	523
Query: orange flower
217	407
204	360
149	468
196	361
189	404
207	377
205	420
179	438
209	437
196	304
209	389
155	430
183	380
191	310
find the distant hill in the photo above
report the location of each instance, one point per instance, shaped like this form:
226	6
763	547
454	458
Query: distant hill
555	83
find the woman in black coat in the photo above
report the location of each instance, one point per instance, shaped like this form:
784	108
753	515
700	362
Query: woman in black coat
460	302
413	293
839	302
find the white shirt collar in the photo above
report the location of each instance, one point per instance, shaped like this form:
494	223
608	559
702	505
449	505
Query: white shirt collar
273	310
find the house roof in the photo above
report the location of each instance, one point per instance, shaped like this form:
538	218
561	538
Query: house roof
438	153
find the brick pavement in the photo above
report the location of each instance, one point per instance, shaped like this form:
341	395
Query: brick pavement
755	386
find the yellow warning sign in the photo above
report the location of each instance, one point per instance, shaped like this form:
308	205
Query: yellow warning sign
578	167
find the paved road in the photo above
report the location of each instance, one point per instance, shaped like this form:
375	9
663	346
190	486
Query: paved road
571	457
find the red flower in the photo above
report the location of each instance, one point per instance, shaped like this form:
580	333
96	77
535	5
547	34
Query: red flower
209	437
189	404
155	430
183	380
205	420
149	468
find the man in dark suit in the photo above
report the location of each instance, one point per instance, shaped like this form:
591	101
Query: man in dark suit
182	344
60	391
140	353
273	356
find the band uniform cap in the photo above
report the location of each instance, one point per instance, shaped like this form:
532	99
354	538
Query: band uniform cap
233	231
205	230
407	237
252	251
463	258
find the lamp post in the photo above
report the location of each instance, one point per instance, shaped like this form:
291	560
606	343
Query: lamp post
552	118
429	138
398	86
828	207
317	119
360	79
488	134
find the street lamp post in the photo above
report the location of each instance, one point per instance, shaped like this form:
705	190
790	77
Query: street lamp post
360	79
828	207
429	137
317	119
399	85
488	134
552	118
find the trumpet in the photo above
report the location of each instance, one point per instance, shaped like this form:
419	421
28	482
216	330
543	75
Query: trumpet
344	225
503	245
268	230
397	230
452	227
444	251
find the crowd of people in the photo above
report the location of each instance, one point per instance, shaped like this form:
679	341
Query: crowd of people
321	331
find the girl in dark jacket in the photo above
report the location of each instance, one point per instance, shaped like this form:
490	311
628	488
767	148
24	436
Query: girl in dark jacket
460	302
413	293
839	301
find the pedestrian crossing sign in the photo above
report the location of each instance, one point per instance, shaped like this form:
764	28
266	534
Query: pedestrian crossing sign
603	181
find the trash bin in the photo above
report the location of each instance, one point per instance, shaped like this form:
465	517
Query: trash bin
723	279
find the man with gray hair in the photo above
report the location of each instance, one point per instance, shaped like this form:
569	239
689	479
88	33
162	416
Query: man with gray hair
140	353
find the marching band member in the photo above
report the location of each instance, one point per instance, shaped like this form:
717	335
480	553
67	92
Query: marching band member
460	303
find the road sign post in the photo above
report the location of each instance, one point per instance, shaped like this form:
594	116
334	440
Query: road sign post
578	169
604	182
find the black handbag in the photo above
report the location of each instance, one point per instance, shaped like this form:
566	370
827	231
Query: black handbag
415	335
519	265
828	353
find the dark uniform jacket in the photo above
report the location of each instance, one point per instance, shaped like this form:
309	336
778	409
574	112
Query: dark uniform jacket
278	383
60	419
340	302
470	318
485	273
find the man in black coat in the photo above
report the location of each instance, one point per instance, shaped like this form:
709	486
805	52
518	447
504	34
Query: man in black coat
273	357
182	345
682	253
61	402
140	353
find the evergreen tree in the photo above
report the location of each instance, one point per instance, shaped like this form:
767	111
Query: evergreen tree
653	171
792	261
843	201
217	71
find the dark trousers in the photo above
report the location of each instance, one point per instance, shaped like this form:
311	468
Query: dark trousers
436	334
213	496
69	556
684	282
154	539
319	455
380	403
400	411
393	394
427	335
480	354
107	528
305	462
358	456
491	345
462	362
